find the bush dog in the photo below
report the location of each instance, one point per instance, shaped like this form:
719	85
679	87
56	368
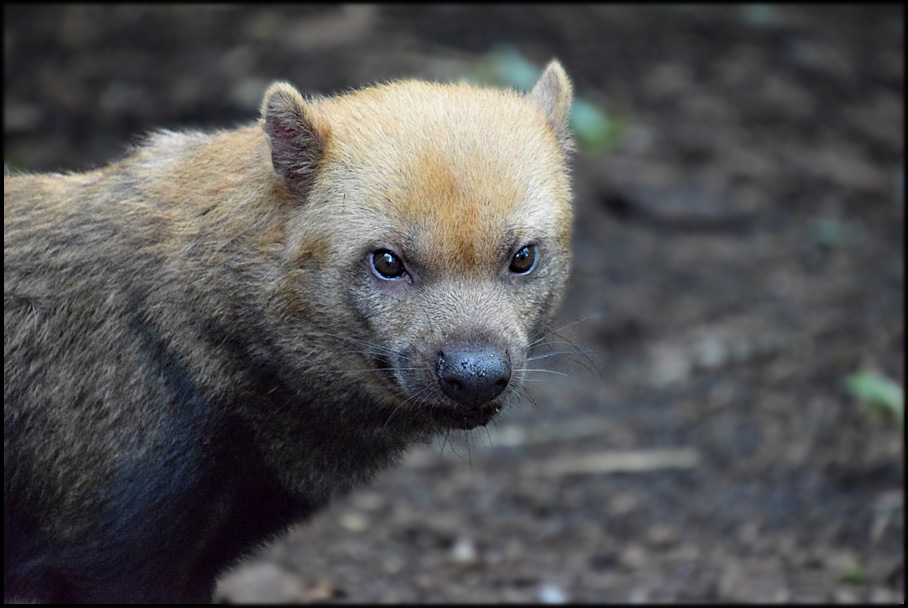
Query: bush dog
209	338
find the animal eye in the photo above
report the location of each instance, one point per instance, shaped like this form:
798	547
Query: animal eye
387	265
524	260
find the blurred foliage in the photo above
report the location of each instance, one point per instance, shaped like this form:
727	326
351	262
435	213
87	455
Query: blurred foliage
594	130
882	395
759	14
833	232
854	575
12	164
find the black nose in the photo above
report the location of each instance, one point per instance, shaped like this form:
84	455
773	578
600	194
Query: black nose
473	376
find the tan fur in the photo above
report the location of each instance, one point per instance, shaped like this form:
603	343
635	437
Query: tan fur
197	351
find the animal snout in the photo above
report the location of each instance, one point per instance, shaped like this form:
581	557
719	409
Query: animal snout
473	375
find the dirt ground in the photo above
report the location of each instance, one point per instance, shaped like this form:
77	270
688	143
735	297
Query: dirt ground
738	253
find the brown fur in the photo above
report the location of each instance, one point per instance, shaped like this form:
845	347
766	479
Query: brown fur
197	353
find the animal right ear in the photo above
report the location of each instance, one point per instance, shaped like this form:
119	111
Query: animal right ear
553	94
297	146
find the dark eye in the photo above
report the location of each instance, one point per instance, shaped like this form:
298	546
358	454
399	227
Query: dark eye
387	265
524	260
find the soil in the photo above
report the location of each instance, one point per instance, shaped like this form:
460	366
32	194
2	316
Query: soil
738	253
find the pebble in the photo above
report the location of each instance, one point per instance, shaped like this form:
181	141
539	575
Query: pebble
464	551
552	594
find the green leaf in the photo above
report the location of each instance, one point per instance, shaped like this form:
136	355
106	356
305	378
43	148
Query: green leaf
832	232
854	575
592	127
878	391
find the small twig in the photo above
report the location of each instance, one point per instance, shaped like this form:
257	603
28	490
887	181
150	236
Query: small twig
606	463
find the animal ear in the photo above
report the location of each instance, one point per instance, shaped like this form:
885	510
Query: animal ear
297	146
553	93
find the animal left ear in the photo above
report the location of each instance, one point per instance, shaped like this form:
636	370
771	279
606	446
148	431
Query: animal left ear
553	93
297	144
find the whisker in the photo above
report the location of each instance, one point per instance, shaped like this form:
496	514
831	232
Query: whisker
421	367
396	408
552	354
563	327
582	352
469	451
377	347
394	411
417	397
488	435
445	441
544	371
523	393
553	343
564	355
579	351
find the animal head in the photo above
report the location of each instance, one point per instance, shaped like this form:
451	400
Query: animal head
432	233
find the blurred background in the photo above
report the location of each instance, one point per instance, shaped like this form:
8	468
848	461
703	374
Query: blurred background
730	427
